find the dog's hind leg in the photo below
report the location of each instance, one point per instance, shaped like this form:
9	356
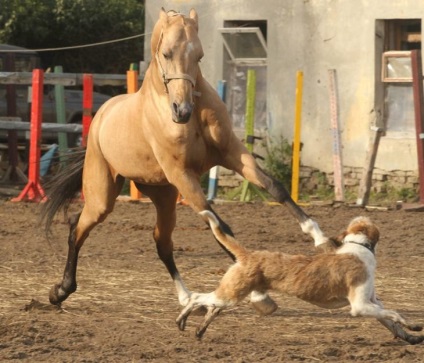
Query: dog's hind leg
399	332
197	300
212	313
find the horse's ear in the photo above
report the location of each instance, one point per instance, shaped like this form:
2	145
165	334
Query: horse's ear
193	15
163	16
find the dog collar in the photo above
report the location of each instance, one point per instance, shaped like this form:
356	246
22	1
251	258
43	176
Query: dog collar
366	245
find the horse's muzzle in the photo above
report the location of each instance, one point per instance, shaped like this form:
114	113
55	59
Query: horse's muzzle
181	113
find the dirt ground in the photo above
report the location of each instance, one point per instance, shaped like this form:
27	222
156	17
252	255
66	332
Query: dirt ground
125	307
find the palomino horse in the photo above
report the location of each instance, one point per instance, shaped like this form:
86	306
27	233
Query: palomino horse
163	137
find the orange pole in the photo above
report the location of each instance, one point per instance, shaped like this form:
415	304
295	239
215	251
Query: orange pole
132	87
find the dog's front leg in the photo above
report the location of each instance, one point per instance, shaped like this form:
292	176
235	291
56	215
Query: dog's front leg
396	328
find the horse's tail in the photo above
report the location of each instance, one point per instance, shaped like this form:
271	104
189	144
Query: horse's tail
225	240
63	187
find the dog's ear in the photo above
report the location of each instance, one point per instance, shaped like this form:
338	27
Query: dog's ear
339	239
332	244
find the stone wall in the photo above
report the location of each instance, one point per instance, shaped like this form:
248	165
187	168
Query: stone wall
311	179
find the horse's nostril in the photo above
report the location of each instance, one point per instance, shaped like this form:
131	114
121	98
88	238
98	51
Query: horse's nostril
175	107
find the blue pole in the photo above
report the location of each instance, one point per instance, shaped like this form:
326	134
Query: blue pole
214	172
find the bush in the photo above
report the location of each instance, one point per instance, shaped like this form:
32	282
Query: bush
278	160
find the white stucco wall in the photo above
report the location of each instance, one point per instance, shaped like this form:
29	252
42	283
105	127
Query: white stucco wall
312	36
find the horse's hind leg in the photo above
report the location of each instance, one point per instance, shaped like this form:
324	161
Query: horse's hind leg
100	194
164	198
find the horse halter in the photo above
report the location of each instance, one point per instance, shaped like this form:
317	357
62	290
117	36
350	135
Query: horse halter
167	77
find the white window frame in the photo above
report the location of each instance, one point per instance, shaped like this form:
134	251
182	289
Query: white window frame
254	30
385	62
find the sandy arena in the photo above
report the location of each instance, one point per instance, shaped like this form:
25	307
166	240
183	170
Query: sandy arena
125	307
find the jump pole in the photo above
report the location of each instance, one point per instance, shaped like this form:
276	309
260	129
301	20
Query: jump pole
87	106
33	192
296	139
248	189
214	172
417	83
337	147
132	87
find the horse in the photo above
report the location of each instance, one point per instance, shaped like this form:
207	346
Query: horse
163	137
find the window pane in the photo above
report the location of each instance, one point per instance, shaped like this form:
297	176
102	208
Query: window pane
245	45
399	67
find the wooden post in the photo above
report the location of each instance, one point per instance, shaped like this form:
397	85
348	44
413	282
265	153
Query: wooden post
366	179
337	148
13	172
33	191
87	106
417	83
296	139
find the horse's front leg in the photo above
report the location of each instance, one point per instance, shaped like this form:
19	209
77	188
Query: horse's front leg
190	188
241	161
164	198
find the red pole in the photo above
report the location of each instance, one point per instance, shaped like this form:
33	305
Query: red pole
87	106
417	83
33	191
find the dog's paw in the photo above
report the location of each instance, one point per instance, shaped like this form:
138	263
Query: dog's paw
415	327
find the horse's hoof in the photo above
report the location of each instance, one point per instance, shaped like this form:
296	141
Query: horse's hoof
264	307
55	296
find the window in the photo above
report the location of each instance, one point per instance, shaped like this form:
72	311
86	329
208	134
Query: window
244	44
400	37
245	48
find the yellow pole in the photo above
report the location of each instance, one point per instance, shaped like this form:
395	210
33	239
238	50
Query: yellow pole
132	87
296	141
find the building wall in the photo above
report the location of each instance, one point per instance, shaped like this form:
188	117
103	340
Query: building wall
313	36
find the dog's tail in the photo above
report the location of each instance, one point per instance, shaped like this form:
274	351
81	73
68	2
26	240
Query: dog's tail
227	241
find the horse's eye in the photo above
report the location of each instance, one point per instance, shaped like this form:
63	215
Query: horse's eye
167	55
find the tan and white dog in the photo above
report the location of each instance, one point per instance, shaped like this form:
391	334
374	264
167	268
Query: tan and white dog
332	280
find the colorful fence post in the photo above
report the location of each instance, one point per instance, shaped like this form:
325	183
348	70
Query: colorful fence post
247	189
296	141
132	87
214	172
87	106
33	191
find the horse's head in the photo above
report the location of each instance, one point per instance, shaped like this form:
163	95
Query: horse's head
177	51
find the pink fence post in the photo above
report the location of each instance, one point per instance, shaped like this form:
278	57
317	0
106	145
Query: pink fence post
33	192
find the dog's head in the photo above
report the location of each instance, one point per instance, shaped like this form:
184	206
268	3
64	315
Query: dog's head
360	230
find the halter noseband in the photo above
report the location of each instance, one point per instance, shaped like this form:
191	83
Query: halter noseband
166	78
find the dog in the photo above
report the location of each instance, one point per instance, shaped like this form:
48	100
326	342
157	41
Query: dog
340	277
